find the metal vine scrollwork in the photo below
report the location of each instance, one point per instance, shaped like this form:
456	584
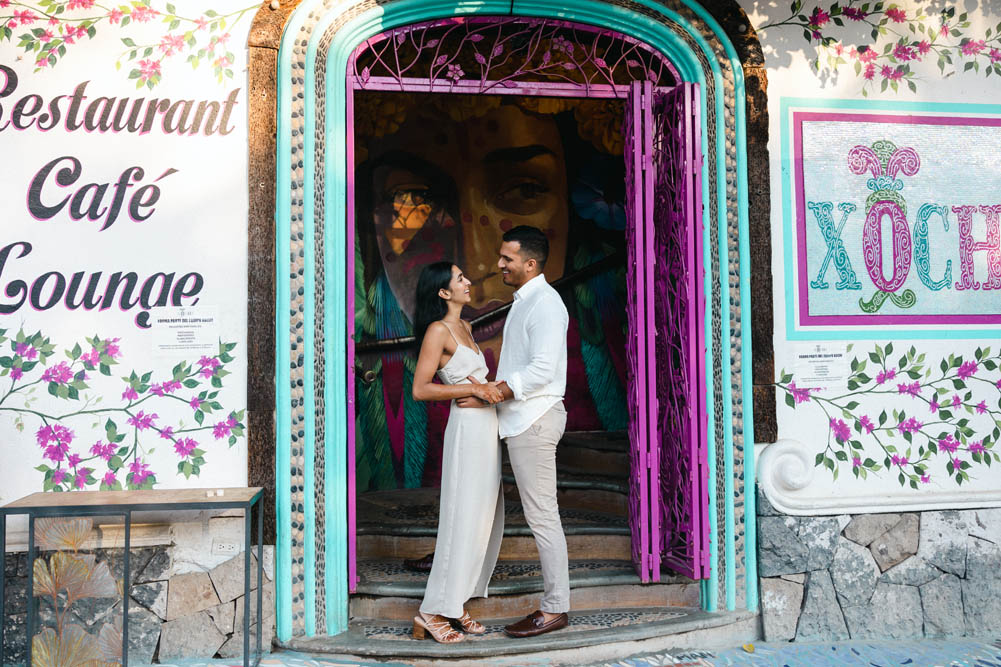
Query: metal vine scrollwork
506	54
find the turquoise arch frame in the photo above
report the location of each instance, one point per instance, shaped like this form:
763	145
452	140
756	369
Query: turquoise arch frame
343	43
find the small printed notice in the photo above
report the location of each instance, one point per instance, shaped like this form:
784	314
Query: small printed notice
822	365
191	330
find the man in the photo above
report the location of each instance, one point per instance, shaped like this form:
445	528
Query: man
531	374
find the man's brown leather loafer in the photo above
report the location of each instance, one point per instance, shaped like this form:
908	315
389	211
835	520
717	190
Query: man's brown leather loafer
535	624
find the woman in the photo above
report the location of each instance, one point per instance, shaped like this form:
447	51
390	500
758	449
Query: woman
471	517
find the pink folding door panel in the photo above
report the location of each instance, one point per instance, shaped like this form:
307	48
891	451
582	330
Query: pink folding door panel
668	489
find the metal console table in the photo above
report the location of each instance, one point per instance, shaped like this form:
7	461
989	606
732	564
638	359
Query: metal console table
124	503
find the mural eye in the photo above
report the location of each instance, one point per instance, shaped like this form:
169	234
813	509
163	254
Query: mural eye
522	198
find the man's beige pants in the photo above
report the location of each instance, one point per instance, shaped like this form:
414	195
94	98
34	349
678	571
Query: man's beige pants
533	459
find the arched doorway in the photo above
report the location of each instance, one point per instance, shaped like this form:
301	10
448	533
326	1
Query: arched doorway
313	333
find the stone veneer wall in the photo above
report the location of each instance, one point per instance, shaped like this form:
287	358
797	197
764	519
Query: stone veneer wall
879	576
171	616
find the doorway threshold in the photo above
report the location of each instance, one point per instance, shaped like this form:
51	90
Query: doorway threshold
619	631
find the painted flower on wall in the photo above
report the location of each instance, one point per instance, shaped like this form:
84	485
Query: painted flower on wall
935	420
883	41
113	452
201	37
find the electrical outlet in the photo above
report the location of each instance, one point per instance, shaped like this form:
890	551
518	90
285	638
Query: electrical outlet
224	548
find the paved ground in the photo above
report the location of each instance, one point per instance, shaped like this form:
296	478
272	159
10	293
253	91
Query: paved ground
926	653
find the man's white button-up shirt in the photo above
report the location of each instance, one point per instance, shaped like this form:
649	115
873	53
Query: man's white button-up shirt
533	358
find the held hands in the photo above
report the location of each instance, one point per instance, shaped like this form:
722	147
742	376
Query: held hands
483	394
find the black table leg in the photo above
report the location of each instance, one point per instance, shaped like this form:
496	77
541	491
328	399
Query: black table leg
3	577
246	587
126	589
260	576
29	621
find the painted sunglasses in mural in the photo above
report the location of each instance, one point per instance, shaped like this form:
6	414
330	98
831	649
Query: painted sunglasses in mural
898	39
948	420
119	457
47	30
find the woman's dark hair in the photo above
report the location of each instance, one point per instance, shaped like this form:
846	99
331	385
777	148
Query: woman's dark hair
429	307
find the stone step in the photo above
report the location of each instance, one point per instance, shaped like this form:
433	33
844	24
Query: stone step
388	591
597	452
582	491
612	633
517	547
414	513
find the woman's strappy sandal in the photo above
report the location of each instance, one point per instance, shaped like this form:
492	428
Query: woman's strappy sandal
469	625
438	628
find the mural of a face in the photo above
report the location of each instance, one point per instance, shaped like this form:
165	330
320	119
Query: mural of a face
448	190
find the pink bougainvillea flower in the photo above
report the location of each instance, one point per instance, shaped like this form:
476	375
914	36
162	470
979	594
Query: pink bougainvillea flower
995	55
222	61
79	4
854	13
130	393
867	424
115	15
93	357
819	18
211	362
981	407
109	478
977	447
148	68
231	421
54	433
4	4
167	432
898	460
73	460
184	446
56	452
966	369
948	444
924	47
24	349
58	475
925	479
140	471
910	425
81	477
840	430
170	44
867	55
206	372
883	376
143	421
26	17
956	401
144	14
933	406
998	384
800	394
903	52
944	30
891	73
969	48
956	463
16	373
170	386
195	402
896	14
870	72
103	450
856	462
156	389
111	348
220	430
61	373
912	389
202	23
12	24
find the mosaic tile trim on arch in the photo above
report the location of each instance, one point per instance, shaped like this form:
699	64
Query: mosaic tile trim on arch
723	422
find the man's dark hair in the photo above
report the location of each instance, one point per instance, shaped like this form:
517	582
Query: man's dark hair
533	242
